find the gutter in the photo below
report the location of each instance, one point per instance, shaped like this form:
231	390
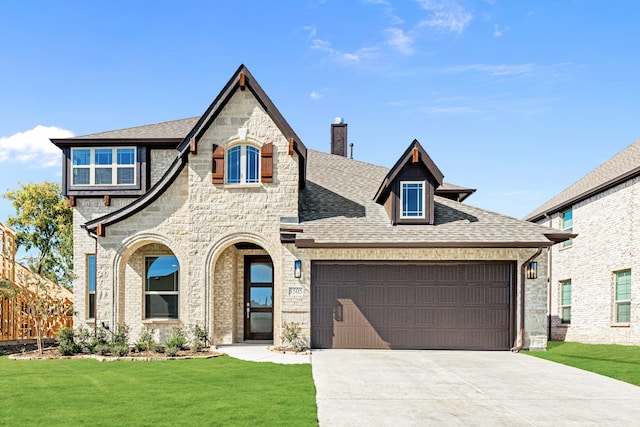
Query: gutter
523	275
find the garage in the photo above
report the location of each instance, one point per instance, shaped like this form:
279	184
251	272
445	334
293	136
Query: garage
412	305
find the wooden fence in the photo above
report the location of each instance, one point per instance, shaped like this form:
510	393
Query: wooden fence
21	290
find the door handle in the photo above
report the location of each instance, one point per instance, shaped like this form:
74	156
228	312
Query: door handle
248	309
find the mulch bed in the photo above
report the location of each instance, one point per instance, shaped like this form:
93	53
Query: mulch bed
30	352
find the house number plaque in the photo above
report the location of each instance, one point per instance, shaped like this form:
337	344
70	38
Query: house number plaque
296	291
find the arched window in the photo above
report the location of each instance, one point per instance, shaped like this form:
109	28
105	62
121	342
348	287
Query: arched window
243	165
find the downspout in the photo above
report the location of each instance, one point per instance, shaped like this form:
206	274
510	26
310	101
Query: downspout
523	276
95	274
549	282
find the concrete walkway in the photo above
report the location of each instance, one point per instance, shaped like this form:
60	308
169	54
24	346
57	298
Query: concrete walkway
425	388
261	353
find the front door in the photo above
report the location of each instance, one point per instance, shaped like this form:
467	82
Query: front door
258	298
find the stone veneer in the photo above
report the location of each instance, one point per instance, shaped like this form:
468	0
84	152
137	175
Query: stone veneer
608	228
199	223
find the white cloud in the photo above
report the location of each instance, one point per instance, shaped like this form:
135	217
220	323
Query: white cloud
399	40
33	146
494	70
499	32
446	15
314	96
358	55
311	29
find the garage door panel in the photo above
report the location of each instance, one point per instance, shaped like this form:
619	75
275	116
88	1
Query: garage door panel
422	306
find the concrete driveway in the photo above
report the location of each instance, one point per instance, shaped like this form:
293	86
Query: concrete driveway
406	388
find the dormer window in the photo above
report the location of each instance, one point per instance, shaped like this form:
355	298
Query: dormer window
412	199
243	165
103	166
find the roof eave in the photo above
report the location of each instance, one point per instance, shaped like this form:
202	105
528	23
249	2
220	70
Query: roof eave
583	196
311	243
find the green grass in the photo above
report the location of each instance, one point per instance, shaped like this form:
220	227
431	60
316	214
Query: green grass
616	361
197	392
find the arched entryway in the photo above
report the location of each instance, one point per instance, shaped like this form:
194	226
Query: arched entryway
243	294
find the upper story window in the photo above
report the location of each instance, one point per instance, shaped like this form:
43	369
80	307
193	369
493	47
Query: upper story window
243	165
412	199
103	166
567	225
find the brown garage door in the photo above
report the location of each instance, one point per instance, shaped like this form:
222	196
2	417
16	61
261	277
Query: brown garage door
412	305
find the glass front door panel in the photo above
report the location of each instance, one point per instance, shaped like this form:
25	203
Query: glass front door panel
261	297
261	323
261	272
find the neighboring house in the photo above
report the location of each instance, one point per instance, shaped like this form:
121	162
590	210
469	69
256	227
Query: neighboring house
228	221
22	291
595	278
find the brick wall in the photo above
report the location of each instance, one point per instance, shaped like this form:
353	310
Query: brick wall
608	240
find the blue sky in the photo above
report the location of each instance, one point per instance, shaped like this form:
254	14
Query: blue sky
518	99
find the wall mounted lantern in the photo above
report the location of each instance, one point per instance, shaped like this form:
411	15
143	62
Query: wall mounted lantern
532	270
297	269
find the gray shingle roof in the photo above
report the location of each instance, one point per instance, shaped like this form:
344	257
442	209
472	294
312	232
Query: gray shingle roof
620	167
171	129
338	208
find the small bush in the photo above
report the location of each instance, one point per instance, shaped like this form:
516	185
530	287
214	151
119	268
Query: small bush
171	350
196	345
145	341
178	338
291	338
199	338
121	335
102	349
119	350
67	345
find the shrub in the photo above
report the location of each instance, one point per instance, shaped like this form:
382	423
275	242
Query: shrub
145	341
199	338
102	349
121	335
178	338
291	338
66	342
119	349
171	350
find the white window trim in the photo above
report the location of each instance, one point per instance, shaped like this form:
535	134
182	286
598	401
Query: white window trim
617	302
145	293
402	216
114	167
563	306
243	166
566	243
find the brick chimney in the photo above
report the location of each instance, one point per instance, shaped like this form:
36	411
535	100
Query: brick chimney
339	137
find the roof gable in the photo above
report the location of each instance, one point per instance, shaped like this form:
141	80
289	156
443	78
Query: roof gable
414	154
241	80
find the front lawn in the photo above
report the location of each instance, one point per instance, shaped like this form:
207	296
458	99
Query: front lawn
616	361
218	391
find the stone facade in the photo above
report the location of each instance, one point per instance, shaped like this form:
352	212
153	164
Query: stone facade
199	223
211	228
608	229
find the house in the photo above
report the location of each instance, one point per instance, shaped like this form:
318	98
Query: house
228	221
21	294
594	277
